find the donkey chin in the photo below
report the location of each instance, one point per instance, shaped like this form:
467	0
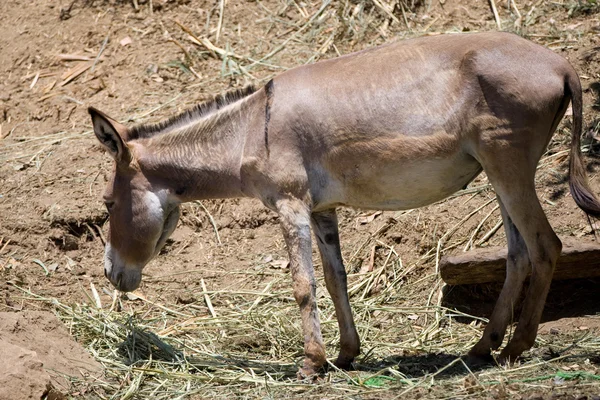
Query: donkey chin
127	277
123	278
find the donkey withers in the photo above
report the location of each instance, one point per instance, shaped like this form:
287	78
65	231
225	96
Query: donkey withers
394	127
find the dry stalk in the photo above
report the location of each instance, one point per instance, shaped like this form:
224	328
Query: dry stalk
452	230
220	23
519	20
469	244
207	299
93	67
495	12
134	118
97	300
387	9
404	17
75	72
211	219
187	54
490	233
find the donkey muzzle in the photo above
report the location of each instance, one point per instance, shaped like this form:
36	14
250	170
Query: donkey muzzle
125	279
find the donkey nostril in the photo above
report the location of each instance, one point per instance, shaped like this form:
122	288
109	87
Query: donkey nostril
105	273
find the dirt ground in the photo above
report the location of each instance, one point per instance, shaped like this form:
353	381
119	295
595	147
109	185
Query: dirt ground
135	61
37	353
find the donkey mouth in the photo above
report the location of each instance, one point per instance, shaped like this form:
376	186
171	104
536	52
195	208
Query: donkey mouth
124	278
128	282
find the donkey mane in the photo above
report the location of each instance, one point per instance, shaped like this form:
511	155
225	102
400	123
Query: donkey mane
198	111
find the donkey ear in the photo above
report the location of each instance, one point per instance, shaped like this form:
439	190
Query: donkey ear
110	133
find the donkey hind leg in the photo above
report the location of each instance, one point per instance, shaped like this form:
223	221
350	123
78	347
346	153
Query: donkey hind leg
517	268
295	223
325	227
513	179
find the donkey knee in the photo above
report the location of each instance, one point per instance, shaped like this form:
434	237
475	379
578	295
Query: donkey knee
518	263
547	251
555	249
304	293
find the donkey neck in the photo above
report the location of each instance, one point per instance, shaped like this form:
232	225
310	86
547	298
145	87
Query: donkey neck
200	159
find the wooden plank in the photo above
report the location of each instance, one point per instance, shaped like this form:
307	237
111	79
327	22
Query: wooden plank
579	259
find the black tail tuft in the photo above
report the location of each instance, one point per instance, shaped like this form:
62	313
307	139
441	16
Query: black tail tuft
578	182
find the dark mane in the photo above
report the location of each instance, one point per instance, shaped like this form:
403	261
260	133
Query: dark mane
199	111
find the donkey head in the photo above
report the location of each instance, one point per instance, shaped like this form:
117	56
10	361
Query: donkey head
143	213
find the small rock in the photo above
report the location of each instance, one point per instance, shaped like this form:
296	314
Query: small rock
20	167
279	264
125	41
185	299
152	69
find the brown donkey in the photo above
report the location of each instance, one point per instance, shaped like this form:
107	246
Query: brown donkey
394	127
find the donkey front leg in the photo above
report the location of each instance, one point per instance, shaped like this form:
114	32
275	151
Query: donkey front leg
325	226
295	222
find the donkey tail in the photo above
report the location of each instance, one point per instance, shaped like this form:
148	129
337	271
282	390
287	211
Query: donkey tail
578	182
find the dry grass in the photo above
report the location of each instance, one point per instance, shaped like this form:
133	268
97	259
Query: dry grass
251	345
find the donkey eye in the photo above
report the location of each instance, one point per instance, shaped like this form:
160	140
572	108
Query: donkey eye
109	205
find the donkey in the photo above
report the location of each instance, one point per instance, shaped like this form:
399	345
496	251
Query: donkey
394	127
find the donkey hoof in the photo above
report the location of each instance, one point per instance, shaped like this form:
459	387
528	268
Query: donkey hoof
307	375
344	363
479	359
507	358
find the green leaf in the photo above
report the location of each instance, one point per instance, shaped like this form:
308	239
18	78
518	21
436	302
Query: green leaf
377	381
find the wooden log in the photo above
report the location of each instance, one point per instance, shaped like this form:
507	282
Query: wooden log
579	259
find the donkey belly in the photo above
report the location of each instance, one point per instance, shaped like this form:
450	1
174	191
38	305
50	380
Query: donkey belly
377	181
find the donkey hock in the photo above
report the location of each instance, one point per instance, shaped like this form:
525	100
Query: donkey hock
394	127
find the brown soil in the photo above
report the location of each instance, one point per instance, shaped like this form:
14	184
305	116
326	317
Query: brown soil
39	357
52	171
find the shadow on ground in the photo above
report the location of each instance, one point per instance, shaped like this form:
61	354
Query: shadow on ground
415	366
566	299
